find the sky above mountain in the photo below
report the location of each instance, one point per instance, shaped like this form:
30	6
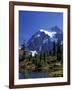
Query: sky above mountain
31	21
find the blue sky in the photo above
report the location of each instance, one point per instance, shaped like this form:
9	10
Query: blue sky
32	21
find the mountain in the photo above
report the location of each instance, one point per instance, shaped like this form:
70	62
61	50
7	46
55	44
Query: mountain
43	39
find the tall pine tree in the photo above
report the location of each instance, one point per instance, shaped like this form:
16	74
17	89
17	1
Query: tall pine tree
59	51
23	47
54	48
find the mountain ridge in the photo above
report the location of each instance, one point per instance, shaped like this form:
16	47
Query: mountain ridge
43	39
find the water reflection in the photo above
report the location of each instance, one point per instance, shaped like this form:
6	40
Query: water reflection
34	74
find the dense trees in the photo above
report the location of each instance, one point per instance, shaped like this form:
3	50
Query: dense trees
42	57
49	60
30	57
23	46
22	52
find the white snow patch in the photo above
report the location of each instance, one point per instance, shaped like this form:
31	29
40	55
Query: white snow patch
38	35
54	39
33	53
49	33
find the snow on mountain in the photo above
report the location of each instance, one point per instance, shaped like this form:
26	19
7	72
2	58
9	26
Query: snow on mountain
43	40
49	33
54	39
38	35
33	53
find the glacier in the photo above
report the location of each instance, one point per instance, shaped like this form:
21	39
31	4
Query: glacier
49	33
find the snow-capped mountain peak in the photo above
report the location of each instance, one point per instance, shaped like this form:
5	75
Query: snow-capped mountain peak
43	40
49	33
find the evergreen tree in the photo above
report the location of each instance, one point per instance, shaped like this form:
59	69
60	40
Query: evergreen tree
54	48
30	57
59	51
23	47
47	53
40	57
50	52
35	56
44	56
35	59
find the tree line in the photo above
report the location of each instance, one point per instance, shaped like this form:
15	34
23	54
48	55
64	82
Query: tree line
42	57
